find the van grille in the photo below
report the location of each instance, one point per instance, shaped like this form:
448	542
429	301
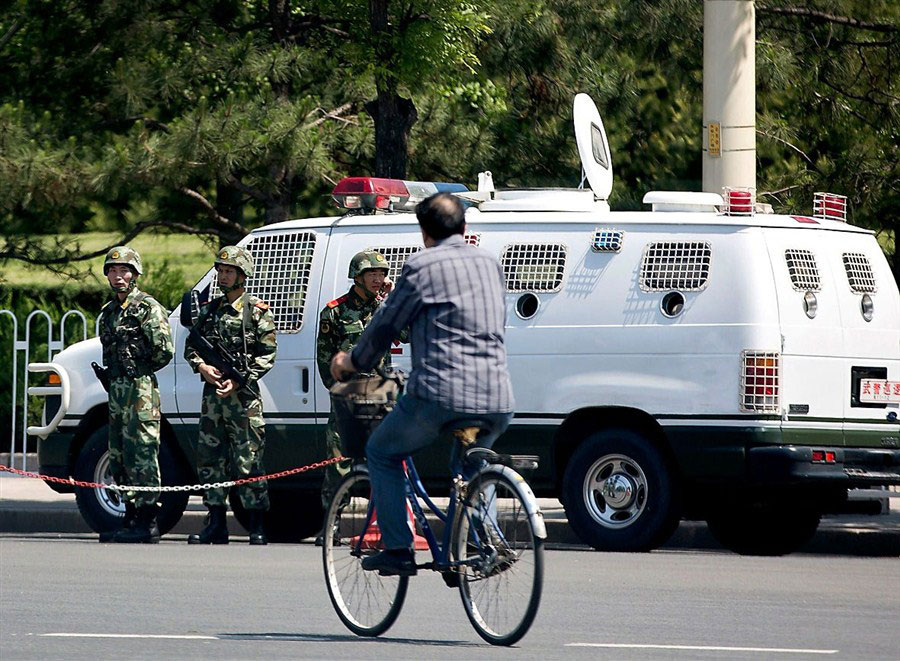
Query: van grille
859	272
675	265
533	266
607	240
803	270
282	265
397	256
760	379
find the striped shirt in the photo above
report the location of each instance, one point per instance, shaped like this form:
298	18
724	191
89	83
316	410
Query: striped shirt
451	297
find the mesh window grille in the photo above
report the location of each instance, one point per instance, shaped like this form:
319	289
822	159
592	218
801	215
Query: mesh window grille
607	240
534	266
282	265
675	265
803	270
760	379
397	256
859	272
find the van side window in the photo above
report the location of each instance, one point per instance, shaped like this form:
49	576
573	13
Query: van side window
803	270
282	264
397	256
533	266
681	265
607	240
859	272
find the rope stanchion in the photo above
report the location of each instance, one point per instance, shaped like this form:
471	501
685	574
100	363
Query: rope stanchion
180	487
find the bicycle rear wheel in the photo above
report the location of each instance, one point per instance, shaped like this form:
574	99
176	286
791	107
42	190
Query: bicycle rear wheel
367	603
502	557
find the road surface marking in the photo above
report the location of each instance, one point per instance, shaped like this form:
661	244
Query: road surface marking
130	635
705	648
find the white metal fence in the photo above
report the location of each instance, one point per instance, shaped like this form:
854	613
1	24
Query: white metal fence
24	341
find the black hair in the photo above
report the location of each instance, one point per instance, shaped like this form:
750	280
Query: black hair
441	215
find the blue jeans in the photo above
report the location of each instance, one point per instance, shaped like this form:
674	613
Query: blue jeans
412	425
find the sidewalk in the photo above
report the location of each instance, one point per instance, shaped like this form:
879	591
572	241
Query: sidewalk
30	506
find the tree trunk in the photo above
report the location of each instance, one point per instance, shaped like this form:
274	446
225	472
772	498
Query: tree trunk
230	204
393	114
394	117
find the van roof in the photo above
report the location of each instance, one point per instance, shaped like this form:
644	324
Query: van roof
592	218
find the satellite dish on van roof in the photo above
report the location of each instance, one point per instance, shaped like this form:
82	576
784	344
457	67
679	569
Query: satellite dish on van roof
593	148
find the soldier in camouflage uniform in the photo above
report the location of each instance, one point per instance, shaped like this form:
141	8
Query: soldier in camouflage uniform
341	322
137	341
232	431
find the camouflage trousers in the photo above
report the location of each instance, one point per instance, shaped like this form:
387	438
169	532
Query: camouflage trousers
231	445
335	472
134	436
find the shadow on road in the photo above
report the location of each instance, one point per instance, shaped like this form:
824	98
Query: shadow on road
345	638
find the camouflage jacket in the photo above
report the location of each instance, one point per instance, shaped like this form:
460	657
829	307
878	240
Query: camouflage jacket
222	321
341	322
135	334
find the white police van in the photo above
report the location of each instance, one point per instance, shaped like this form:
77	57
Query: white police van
703	359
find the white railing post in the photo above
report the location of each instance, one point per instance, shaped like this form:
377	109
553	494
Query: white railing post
24	345
15	375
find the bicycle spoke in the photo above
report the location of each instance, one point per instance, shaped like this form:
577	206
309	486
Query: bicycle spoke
502	560
367	603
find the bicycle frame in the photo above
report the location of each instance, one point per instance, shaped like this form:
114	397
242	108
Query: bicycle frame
440	552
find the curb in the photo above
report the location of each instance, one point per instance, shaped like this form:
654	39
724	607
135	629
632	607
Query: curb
834	537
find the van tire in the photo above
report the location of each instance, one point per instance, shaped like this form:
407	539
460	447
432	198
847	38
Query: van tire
645	508
294	514
767	529
103	510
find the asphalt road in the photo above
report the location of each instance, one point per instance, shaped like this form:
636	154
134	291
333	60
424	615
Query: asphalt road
73	598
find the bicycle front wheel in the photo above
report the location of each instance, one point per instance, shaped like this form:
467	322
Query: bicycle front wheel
367	603
501	556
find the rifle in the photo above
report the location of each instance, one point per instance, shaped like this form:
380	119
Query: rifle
102	374
212	352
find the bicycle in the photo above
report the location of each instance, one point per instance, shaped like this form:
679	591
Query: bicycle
491	548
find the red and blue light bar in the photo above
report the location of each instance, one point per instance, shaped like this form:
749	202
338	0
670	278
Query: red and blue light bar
378	194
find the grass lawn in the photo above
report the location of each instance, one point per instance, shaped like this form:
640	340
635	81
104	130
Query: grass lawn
188	254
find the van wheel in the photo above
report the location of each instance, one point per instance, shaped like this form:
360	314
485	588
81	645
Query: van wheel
103	510
294	514
763	528
619	494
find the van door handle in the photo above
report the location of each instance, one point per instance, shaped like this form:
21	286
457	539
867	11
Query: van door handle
304	379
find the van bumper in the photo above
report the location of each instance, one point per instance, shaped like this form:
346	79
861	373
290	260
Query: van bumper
53	458
853	467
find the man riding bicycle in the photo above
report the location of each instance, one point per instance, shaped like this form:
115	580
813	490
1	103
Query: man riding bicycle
451	296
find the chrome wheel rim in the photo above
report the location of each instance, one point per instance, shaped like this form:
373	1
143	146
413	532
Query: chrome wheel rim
615	491
110	501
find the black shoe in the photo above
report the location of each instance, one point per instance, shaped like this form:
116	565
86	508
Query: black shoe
320	539
145	529
393	562
127	522
257	533
451	578
216	529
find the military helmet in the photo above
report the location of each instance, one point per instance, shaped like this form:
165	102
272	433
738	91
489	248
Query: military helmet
123	255
366	261
239	258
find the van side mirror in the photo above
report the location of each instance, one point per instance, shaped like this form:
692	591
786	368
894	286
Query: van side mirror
186	316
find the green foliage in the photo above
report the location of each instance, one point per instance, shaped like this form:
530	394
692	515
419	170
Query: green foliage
221	115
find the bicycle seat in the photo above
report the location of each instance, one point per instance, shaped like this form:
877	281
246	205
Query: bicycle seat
465	430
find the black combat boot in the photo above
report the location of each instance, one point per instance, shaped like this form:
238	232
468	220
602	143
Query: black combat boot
145	529
257	534
127	522
216	530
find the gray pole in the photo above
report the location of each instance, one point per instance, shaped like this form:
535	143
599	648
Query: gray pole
729	94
